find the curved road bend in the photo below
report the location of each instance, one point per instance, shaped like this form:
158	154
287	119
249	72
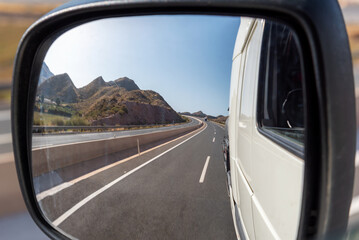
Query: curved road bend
176	191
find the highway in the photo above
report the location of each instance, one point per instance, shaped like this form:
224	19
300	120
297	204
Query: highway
41	141
175	184
174	191
13	213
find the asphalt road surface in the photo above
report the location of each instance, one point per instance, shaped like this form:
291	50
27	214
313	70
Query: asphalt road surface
11	198
40	141
176	191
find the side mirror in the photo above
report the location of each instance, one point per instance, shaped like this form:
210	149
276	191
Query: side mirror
120	127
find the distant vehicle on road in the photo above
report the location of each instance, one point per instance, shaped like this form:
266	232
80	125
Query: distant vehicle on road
205	118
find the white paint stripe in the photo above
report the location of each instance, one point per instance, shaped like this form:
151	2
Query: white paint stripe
5	115
214	139
90	174
69	212
53	190
203	175
5	138
354	207
357	159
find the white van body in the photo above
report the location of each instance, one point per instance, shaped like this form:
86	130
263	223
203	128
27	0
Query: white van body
266	180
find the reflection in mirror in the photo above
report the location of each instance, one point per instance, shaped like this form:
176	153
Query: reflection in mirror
171	127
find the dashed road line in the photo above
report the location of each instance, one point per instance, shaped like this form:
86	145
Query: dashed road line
77	206
203	175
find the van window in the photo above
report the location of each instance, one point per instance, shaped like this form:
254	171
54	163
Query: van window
280	107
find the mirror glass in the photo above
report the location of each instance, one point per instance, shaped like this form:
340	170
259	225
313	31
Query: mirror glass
171	127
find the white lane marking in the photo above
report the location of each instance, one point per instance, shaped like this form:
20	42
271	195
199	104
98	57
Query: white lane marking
69	212
214	139
53	190
90	174
354	207
357	159
5	115
204	170
6	157
5	138
214	133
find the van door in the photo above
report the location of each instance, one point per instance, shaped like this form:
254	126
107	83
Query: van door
278	137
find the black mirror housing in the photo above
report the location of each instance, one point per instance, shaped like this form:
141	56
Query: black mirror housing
329	94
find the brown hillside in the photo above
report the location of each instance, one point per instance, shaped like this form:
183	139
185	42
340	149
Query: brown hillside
59	86
118	102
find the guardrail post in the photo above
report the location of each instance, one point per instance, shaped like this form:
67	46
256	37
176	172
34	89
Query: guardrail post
138	147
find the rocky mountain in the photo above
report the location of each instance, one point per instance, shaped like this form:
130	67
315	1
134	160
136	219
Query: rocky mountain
220	118
45	73
126	83
197	114
118	102
93	87
59	86
135	113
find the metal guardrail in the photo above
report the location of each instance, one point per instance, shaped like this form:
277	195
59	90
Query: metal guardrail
43	129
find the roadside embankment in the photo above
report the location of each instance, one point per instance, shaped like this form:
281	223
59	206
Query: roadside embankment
48	159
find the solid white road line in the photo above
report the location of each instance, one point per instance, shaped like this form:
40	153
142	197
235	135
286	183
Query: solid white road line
357	159
5	138
214	139
354	207
53	190
69	212
64	185
203	175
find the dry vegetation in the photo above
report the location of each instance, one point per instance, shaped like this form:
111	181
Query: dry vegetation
23	9
15	18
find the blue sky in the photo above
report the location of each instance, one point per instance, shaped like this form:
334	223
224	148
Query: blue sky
187	59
